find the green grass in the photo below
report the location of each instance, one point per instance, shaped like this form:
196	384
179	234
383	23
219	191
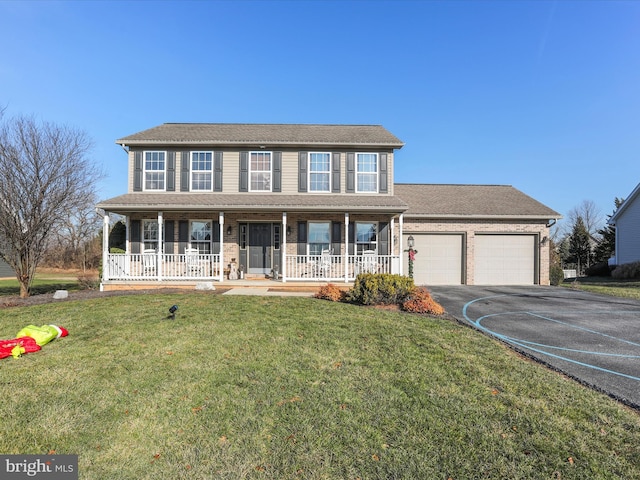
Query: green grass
43	283
285	388
607	286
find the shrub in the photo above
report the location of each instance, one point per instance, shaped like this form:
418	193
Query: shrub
626	271
87	281
116	250
600	269
380	289
420	301
330	292
556	275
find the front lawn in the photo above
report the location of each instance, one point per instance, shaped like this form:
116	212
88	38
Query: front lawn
606	286
286	388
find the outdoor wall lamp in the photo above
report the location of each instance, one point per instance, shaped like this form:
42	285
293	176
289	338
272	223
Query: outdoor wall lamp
229	230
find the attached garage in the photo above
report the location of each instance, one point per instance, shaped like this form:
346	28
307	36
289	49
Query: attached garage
505	260
475	234
439	259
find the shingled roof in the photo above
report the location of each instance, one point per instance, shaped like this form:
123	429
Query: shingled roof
229	134
470	201
132	202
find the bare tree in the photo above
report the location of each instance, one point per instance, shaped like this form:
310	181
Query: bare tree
591	217
45	176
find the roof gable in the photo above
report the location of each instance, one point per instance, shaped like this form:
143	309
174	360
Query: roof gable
625	204
269	134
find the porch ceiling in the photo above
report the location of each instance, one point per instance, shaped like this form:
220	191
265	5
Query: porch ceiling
137	202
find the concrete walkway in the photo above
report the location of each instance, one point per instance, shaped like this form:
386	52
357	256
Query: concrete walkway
267	291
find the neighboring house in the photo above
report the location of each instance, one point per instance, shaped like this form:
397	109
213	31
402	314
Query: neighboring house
626	219
310	202
5	270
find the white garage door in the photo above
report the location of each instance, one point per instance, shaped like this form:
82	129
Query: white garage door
504	259
438	261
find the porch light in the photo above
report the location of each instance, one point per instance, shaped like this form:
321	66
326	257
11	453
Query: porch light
229	230
410	241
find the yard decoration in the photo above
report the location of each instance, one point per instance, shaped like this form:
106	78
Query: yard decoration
30	339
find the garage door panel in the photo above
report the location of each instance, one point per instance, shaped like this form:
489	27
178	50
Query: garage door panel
438	261
504	260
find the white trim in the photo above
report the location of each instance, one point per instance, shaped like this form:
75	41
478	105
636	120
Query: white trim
250	171
144	171
191	170
376	173
309	172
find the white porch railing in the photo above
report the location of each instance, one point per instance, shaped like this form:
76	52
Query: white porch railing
151	266
337	268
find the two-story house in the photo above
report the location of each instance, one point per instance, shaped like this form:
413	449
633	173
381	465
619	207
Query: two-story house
307	202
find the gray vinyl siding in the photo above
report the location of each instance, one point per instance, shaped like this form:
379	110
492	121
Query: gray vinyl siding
628	234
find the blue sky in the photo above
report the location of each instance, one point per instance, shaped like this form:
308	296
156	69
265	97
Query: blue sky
541	95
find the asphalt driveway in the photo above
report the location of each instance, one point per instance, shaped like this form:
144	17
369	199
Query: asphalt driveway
592	338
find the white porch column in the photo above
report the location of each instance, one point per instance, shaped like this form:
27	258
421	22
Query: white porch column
221	222
283	246
401	222
346	247
160	245
392	250
105	248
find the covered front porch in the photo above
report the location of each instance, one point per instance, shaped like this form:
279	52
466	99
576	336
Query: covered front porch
299	247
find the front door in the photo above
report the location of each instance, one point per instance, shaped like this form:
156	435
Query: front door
260	246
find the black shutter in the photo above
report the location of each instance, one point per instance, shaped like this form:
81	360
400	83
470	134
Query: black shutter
183	235
336	241
216	237
137	171
302	172
352	238
302	238
244	172
383	238
134	235
277	172
351	172
217	171
171	171
184	174
169	238
384	187
335	173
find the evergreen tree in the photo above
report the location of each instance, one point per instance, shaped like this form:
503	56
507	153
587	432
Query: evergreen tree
580	246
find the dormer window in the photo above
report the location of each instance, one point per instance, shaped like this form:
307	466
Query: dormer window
154	170
260	172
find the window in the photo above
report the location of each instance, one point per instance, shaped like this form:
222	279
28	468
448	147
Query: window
201	236
201	171
366	237
367	172
154	167
260	172
319	237
319	172
150	234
